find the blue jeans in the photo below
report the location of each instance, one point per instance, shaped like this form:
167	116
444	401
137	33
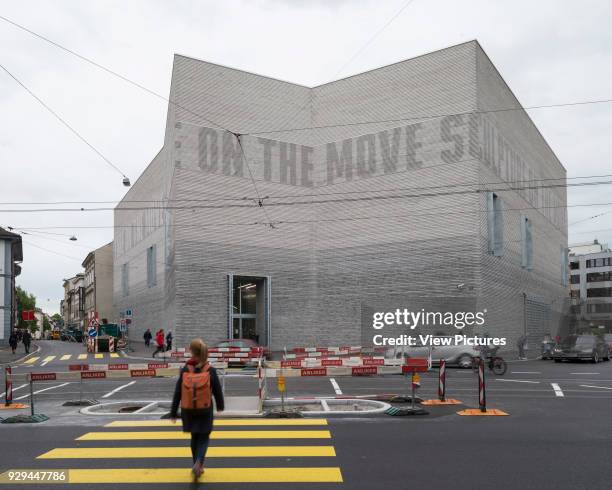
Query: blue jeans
199	446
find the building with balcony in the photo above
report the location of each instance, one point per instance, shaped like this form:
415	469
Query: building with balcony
591	286
73	305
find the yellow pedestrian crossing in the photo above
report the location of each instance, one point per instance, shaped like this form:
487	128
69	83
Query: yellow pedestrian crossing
185	452
212	475
70	357
225	434
178	457
219	422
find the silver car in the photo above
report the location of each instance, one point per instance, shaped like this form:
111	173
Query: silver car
458	355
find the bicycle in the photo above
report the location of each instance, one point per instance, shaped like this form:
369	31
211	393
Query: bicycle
494	362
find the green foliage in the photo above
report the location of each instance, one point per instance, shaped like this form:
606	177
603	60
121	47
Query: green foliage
46	324
25	301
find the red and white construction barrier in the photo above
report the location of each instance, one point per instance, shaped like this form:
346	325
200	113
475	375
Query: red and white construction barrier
8	384
91	344
337	361
235	355
482	395
111	344
307	352
442	381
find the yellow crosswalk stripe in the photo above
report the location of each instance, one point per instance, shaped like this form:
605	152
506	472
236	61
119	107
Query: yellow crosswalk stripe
212	475
99	356
32	360
224	434
82	356
65	357
185	452
114	354
48	359
219	422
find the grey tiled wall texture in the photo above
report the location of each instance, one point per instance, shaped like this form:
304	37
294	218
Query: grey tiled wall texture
376	186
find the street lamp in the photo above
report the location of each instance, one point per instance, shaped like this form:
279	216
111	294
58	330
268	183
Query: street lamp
126	181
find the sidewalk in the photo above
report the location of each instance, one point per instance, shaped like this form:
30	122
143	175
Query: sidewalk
137	350
7	356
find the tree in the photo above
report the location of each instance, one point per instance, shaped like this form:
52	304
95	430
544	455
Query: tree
25	301
46	324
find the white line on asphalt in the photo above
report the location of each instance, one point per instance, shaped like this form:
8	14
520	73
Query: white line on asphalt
600	387
14	389
557	388
584	373
518	380
40	391
119	388
525	372
335	385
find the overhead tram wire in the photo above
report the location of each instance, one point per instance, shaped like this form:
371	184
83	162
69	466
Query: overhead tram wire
64	122
341	200
125	79
288	196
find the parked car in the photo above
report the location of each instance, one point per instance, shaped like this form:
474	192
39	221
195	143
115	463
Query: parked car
608	340
582	347
458	355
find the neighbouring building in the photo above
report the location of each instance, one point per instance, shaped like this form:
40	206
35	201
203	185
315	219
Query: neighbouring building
98	281
11	255
591	286
288	214
73	305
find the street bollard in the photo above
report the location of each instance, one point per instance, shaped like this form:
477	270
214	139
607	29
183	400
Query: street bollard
415	380
482	397
8	392
442	381
31	395
281	389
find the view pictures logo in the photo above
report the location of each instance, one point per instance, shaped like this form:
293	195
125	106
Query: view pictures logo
414	319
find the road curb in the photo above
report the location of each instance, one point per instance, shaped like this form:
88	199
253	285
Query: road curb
23	358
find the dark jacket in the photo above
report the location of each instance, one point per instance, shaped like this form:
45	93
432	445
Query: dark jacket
27	337
198	421
13	340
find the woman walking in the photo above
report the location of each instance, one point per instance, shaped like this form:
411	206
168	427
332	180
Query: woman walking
198	383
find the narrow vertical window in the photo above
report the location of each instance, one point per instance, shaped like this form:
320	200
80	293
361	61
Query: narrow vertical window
527	243
125	279
565	266
495	220
151	266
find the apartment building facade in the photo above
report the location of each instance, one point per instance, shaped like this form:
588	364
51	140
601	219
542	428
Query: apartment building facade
591	286
11	255
73	304
98	283
287	214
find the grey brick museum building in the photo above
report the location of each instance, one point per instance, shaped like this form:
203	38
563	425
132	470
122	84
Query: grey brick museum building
281	212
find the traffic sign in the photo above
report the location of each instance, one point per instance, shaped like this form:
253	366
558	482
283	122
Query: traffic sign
415	365
128	313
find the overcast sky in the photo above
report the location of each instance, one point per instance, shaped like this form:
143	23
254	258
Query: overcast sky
549	52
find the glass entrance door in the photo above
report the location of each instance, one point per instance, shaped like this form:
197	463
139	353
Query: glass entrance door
244	307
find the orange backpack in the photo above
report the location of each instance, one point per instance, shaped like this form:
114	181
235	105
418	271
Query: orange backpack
196	389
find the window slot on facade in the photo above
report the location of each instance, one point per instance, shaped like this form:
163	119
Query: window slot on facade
151	266
495	224
527	243
125	279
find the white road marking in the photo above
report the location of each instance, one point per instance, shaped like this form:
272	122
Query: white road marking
40	391
47	360
14	389
119	388
557	388
518	380
584	373
600	387
335	385
525	372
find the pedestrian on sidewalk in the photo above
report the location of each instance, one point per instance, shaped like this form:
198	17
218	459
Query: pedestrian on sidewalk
198	383
27	340
159	341
147	337
169	341
13	341
521	344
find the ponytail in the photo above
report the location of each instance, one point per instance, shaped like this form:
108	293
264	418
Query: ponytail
199	350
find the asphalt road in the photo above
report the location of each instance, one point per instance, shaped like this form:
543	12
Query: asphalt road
557	434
